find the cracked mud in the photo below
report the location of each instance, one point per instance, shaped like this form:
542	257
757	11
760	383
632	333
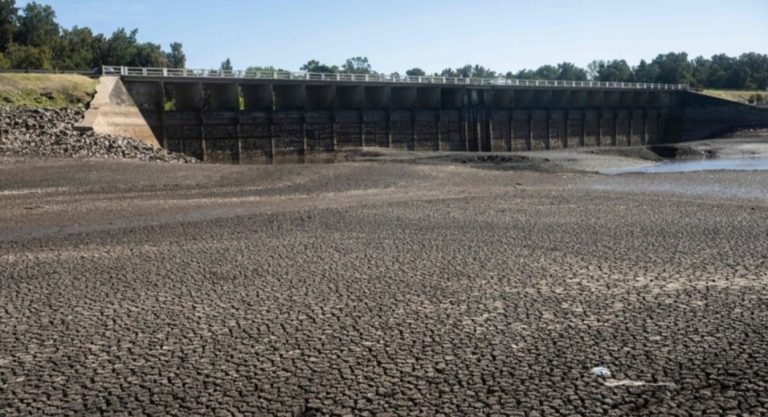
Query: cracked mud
379	289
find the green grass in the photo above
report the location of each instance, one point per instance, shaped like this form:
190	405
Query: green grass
751	97
46	90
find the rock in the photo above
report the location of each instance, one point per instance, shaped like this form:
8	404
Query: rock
26	131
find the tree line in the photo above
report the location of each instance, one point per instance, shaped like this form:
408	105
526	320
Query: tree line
748	71
31	38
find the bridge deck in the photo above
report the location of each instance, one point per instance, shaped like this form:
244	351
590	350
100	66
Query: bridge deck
179	74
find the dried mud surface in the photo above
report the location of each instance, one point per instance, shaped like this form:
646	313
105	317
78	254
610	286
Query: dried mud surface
372	288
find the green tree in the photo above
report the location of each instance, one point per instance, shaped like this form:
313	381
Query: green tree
176	58
547	72
700	71
415	72
74	49
524	74
469	71
646	72
314	65
756	65
29	57
570	72
37	26
356	65
226	65
5	63
9	20
121	48
449	72
615	71
149	55
256	69
674	68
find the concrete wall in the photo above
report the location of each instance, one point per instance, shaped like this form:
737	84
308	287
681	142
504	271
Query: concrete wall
707	117
129	110
296	121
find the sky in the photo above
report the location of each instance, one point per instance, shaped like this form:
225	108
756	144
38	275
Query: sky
397	35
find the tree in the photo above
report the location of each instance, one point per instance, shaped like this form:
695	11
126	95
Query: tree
570	72
646	72
314	65
257	69
547	72
176	58
9	20
226	65
149	55
449	72
674	68
74	50
469	71
29	57
525	74
37	26
356	65
121	48
700	71
5	63
614	71
415	72
756	65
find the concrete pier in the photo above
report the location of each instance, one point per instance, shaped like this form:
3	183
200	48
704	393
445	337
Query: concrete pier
255	120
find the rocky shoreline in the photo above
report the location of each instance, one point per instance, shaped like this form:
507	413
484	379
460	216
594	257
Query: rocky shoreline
50	133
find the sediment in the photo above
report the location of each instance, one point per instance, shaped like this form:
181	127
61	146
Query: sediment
373	289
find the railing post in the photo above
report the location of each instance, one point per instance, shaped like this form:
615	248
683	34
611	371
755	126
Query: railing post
165	72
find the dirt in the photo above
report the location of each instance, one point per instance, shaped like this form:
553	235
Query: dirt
407	285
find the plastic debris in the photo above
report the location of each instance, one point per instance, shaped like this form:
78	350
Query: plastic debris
601	371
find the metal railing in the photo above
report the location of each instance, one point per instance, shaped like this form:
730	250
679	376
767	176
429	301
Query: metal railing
377	78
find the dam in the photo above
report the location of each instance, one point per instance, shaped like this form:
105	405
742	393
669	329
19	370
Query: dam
252	117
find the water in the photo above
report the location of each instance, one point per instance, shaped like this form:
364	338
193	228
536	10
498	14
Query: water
725	164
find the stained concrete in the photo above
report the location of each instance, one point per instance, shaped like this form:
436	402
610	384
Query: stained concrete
114	111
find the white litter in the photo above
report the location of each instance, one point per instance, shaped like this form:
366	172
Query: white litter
601	371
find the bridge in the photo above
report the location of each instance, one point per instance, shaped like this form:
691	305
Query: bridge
254	116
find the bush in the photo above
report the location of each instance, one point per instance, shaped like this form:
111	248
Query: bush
29	57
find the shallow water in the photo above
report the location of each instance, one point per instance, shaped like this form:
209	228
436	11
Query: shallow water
725	164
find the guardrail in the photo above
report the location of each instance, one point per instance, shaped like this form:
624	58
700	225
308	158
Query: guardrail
376	78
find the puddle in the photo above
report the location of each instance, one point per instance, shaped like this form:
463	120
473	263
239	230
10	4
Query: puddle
724	164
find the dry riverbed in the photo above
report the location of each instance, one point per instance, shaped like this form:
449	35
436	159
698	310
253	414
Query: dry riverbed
420	284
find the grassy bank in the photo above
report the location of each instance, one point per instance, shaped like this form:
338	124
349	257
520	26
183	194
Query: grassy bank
750	97
46	90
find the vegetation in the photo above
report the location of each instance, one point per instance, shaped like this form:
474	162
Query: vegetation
749	71
46	90
30	38
742	96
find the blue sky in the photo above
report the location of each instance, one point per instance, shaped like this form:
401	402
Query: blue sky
398	34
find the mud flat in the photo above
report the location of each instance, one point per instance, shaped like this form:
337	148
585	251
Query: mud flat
419	287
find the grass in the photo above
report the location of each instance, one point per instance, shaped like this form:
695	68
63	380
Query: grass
750	97
46	90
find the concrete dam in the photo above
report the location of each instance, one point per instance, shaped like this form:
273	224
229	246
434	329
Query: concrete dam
261	117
